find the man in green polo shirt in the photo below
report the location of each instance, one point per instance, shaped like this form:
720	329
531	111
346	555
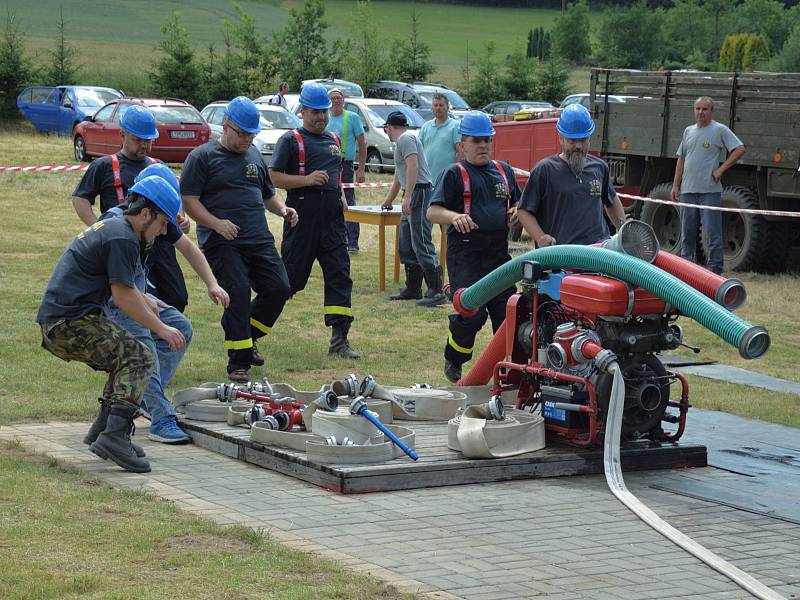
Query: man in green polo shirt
440	137
347	125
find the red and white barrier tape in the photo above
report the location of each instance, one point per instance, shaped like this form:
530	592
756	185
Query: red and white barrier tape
40	169
749	211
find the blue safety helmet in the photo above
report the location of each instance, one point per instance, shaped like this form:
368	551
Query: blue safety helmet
160	170
138	120
162	194
244	114
315	96
575	122
477	124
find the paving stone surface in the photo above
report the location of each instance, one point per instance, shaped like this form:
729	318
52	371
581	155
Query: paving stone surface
565	538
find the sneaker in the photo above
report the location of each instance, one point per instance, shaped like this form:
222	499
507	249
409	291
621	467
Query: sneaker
258	358
452	371
167	431
239	376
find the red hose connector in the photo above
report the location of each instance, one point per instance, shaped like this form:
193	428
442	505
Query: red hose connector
460	307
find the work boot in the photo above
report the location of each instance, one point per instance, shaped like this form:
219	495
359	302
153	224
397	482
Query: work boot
434	296
339	344
452	371
99	426
115	441
257	358
413	289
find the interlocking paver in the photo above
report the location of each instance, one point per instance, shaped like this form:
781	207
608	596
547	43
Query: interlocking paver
559	539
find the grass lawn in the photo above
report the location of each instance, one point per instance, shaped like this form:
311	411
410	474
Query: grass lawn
56	523
108	35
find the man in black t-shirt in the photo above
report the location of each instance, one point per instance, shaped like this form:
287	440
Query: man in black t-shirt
102	263
226	188
307	163
566	194
474	198
110	177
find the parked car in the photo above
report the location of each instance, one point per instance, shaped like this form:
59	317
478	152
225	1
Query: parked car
586	100
348	88
418	96
57	109
275	121
181	128
291	100
509	107
373	113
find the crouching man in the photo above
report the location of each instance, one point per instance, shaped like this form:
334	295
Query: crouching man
101	264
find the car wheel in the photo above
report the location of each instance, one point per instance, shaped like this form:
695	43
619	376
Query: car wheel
373	161
80	149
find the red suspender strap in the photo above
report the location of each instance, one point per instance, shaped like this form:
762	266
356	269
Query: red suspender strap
117	179
502	171
341	166
117	173
467	189
301	152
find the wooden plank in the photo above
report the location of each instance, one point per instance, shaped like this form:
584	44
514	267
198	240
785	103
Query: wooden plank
437	465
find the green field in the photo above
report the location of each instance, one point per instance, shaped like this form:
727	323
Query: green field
108	36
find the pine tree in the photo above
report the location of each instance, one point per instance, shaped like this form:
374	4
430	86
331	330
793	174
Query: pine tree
63	69
176	73
15	67
412	55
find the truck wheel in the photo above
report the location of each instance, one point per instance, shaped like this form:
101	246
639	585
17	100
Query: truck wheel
746	238
373	161
781	236
664	219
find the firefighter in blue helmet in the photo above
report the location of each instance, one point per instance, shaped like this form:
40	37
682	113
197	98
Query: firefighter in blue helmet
226	187
308	164
475	199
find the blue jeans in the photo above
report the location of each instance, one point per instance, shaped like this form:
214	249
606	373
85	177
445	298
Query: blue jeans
353	229
154	400
416	244
711	221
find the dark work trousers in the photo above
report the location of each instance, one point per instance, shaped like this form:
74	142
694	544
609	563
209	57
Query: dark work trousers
469	258
319	235
353	229
238	268
165	275
416	238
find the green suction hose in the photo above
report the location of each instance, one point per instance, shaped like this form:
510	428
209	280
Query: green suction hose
752	341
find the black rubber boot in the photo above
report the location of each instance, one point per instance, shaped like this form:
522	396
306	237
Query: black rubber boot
413	289
115	441
339	344
434	296
99	426
452	371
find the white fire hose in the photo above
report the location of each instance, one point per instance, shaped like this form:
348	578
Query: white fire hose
613	472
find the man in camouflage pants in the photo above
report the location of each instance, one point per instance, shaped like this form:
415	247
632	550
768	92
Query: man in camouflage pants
107	256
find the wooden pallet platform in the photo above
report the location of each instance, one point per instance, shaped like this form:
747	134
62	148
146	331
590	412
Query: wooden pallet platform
437	465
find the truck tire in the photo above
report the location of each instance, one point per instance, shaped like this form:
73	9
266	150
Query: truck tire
665	219
745	237
781	236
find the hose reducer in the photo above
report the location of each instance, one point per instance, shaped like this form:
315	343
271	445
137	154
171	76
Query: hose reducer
460	308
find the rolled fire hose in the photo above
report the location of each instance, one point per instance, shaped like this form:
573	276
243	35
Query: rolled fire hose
751	341
613	472
478	434
420	403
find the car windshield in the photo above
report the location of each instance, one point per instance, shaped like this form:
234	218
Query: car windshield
177	115
92	98
456	101
278	119
378	113
350	90
536	105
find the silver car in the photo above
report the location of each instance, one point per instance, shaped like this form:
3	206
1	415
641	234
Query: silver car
373	113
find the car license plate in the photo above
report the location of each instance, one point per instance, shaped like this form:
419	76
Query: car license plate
181	134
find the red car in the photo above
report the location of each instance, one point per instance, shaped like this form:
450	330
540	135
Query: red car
181	129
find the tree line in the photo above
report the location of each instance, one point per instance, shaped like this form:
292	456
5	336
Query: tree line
673	34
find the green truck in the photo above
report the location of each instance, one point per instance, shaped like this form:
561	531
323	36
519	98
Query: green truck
639	137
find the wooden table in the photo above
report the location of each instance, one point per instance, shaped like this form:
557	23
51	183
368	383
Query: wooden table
374	215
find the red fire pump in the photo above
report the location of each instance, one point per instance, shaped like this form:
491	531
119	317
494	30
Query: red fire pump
556	333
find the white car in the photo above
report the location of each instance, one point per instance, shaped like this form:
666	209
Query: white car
275	121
